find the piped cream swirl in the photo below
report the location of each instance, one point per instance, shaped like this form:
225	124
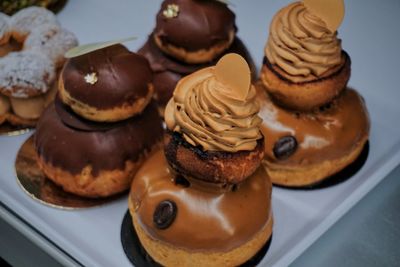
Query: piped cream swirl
203	110
301	44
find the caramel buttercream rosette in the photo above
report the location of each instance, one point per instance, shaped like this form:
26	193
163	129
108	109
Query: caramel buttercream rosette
215	111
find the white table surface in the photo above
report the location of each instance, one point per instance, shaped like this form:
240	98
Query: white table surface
370	34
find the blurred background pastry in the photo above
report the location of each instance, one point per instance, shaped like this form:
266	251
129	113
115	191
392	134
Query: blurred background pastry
314	125
189	35
223	218
11	6
32	48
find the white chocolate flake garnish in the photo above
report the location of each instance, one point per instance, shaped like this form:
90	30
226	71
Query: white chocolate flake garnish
172	11
91	78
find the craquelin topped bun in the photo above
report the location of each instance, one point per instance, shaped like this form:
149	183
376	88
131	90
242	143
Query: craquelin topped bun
217	136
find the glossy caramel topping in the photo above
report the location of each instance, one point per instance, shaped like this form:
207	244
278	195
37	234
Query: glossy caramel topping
71	143
108	77
206	220
328	134
199	24
301	44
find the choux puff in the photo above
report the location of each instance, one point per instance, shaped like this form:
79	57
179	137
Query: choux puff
91	158
194	31
205	200
26	79
99	94
314	125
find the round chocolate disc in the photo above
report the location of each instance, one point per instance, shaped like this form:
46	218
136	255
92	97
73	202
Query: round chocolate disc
36	185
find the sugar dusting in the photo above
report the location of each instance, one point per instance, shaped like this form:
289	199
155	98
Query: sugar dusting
26	73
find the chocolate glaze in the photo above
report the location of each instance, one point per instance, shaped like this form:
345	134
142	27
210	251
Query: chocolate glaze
73	120
206	220
71	149
123	77
200	24
168	71
330	133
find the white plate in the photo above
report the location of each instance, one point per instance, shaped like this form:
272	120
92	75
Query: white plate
370	35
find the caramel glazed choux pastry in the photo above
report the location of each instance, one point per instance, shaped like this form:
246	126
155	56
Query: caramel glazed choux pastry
314	125
93	158
206	200
32	48
190	35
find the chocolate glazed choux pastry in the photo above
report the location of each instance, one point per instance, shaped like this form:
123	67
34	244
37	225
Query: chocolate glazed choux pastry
205	200
93	158
101	95
314	125
190	35
304	64
194	31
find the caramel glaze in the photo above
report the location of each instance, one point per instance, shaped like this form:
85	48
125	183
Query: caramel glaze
329	133
123	77
168	71
68	145
206	220
199	24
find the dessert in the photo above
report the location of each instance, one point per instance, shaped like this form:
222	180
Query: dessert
313	130
32	48
304	64
206	32
223	218
92	158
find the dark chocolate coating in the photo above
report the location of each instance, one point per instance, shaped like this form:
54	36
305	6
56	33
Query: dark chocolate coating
200	24
123	77
72	150
168	71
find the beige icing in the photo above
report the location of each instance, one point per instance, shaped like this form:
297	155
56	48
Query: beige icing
4	104
204	111
301	44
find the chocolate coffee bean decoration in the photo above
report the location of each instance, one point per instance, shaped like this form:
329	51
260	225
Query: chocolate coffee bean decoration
165	214
285	147
182	181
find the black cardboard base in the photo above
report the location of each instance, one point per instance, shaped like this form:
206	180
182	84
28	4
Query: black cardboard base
138	256
339	177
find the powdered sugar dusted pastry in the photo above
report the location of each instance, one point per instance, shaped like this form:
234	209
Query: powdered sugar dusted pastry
52	40
28	19
25	74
